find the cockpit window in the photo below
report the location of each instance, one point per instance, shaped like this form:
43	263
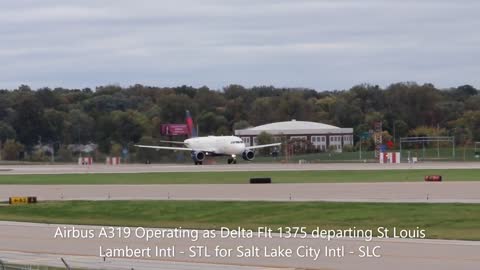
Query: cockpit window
236	142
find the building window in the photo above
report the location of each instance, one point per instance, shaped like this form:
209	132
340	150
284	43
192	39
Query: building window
255	141
334	140
319	142
348	139
298	137
246	140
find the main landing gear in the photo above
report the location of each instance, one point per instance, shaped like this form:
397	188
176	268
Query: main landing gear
198	162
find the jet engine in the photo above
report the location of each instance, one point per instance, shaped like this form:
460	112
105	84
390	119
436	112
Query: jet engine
198	156
248	155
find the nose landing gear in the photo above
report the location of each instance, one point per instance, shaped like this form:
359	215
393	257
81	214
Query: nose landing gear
232	160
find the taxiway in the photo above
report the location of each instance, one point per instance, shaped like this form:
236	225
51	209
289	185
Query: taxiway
429	192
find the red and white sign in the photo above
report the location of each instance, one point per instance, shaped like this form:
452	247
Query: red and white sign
389	157
174	129
113	160
85	161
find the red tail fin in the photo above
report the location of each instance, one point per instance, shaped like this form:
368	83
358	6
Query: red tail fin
192	132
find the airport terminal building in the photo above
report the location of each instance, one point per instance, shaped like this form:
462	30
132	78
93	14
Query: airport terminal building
321	136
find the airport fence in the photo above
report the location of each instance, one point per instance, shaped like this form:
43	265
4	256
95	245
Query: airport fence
427	153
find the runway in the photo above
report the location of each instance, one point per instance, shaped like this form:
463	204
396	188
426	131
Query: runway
434	192
396	254
139	168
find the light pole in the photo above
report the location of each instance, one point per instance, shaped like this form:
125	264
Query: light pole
362	136
453	142
360	142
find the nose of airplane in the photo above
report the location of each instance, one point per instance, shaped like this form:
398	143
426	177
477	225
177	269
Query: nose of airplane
240	148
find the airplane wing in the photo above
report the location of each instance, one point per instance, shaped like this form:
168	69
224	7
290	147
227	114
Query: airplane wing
173	142
262	146
174	148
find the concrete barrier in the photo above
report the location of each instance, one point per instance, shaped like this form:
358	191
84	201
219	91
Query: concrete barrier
261	180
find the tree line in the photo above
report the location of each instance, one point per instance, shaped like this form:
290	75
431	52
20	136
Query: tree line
117	117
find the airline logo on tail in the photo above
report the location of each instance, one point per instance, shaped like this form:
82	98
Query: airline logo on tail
192	132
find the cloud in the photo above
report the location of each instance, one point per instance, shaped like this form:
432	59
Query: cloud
320	44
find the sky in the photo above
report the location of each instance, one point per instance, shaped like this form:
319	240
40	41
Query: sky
319	44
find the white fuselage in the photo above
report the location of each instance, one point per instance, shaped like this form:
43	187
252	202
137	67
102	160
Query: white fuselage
220	145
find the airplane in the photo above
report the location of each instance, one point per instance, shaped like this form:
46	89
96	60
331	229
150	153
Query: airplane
200	147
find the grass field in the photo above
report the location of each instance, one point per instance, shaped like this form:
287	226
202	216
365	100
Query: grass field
33	267
445	221
243	177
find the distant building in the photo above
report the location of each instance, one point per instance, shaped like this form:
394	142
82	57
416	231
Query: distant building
321	136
